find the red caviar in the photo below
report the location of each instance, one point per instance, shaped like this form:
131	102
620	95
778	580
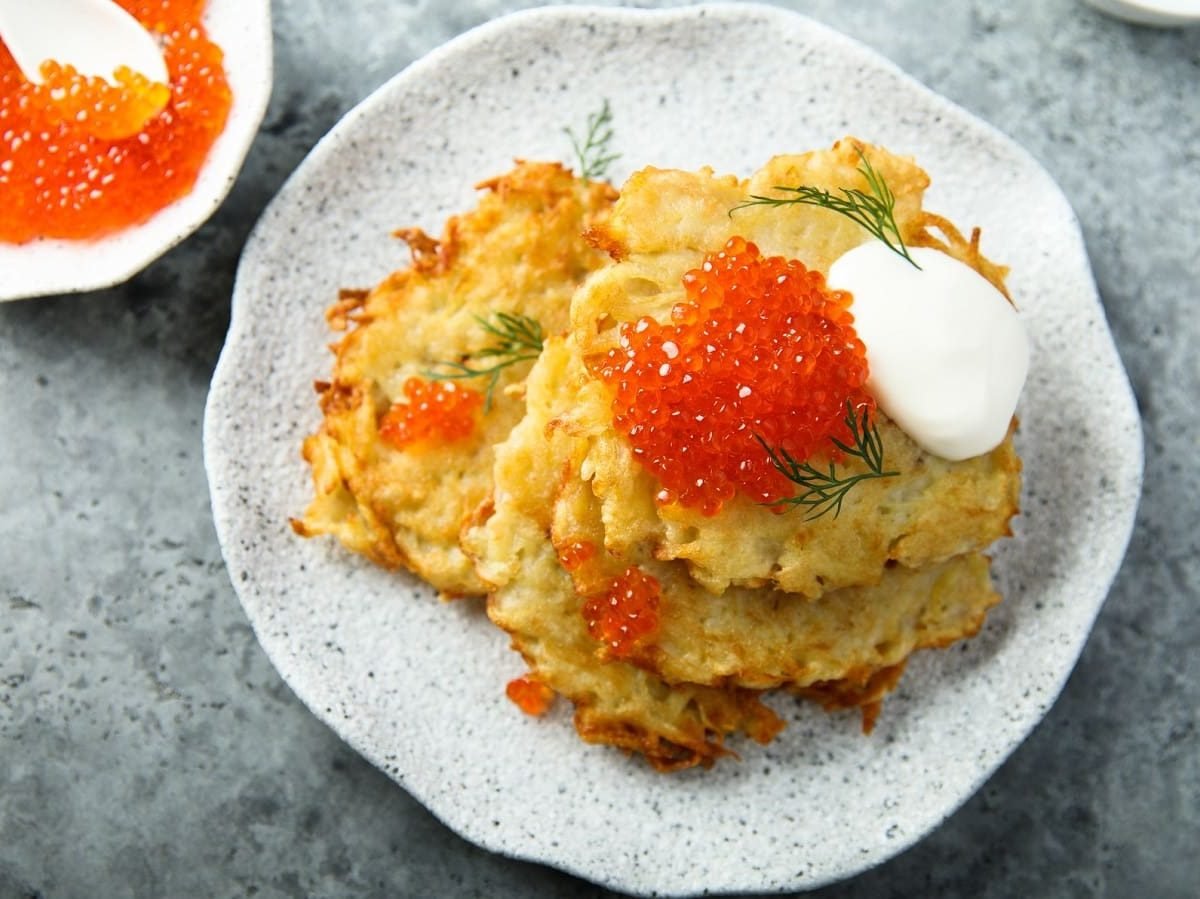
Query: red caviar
530	695
92	106
625	614
575	553
761	348
66	172
435	411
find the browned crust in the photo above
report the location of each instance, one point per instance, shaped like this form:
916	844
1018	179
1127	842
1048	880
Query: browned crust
342	312
702	747
429	256
602	240
953	244
863	690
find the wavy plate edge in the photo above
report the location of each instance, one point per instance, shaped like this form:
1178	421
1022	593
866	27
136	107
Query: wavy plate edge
223	502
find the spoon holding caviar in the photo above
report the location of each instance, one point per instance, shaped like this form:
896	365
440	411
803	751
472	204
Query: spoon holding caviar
57	42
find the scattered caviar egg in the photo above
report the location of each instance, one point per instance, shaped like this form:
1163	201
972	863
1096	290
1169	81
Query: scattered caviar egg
530	695
433	412
78	157
625	614
575	553
761	351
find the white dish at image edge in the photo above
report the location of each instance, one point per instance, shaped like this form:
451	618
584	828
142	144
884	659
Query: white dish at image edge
48	267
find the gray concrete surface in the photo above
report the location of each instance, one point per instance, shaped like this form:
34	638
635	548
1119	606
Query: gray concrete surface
148	748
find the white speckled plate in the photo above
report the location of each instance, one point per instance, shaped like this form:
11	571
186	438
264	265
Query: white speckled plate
242	28
417	686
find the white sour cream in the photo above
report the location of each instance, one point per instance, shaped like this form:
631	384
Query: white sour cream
947	352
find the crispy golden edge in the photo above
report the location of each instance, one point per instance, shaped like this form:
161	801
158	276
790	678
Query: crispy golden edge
953	244
693	740
864	691
756	720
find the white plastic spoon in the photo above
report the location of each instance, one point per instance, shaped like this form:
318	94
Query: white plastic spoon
95	36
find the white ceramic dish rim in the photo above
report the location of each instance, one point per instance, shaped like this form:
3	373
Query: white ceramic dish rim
230	499
242	28
1158	13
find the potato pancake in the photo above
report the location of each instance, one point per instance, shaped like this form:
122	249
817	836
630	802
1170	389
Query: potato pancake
446	449
844	649
520	253
661	228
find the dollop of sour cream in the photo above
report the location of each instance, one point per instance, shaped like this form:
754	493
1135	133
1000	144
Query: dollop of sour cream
948	354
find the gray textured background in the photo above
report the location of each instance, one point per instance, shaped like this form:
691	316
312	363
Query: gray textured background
147	747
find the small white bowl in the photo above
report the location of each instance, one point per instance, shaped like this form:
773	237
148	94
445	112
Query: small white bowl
242	29
1164	13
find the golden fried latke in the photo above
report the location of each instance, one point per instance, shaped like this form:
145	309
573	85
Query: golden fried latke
616	703
761	637
844	649
662	226
521	251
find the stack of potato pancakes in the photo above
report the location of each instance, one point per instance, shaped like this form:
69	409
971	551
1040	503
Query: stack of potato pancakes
662	622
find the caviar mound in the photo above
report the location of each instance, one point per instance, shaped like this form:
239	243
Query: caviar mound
664	225
760	352
519	251
62	172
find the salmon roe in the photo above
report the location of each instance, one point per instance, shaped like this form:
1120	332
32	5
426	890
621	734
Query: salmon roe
66	168
575	553
761	348
93	106
530	695
434	412
626	613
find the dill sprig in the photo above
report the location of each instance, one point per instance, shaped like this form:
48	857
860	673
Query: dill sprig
518	339
592	150
875	211
824	491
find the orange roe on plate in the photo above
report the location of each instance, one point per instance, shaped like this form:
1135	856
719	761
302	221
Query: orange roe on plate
435	412
760	347
575	553
530	695
625	615
63	173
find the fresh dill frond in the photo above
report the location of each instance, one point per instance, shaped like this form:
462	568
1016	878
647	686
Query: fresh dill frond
824	491
592	150
875	211
518	339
